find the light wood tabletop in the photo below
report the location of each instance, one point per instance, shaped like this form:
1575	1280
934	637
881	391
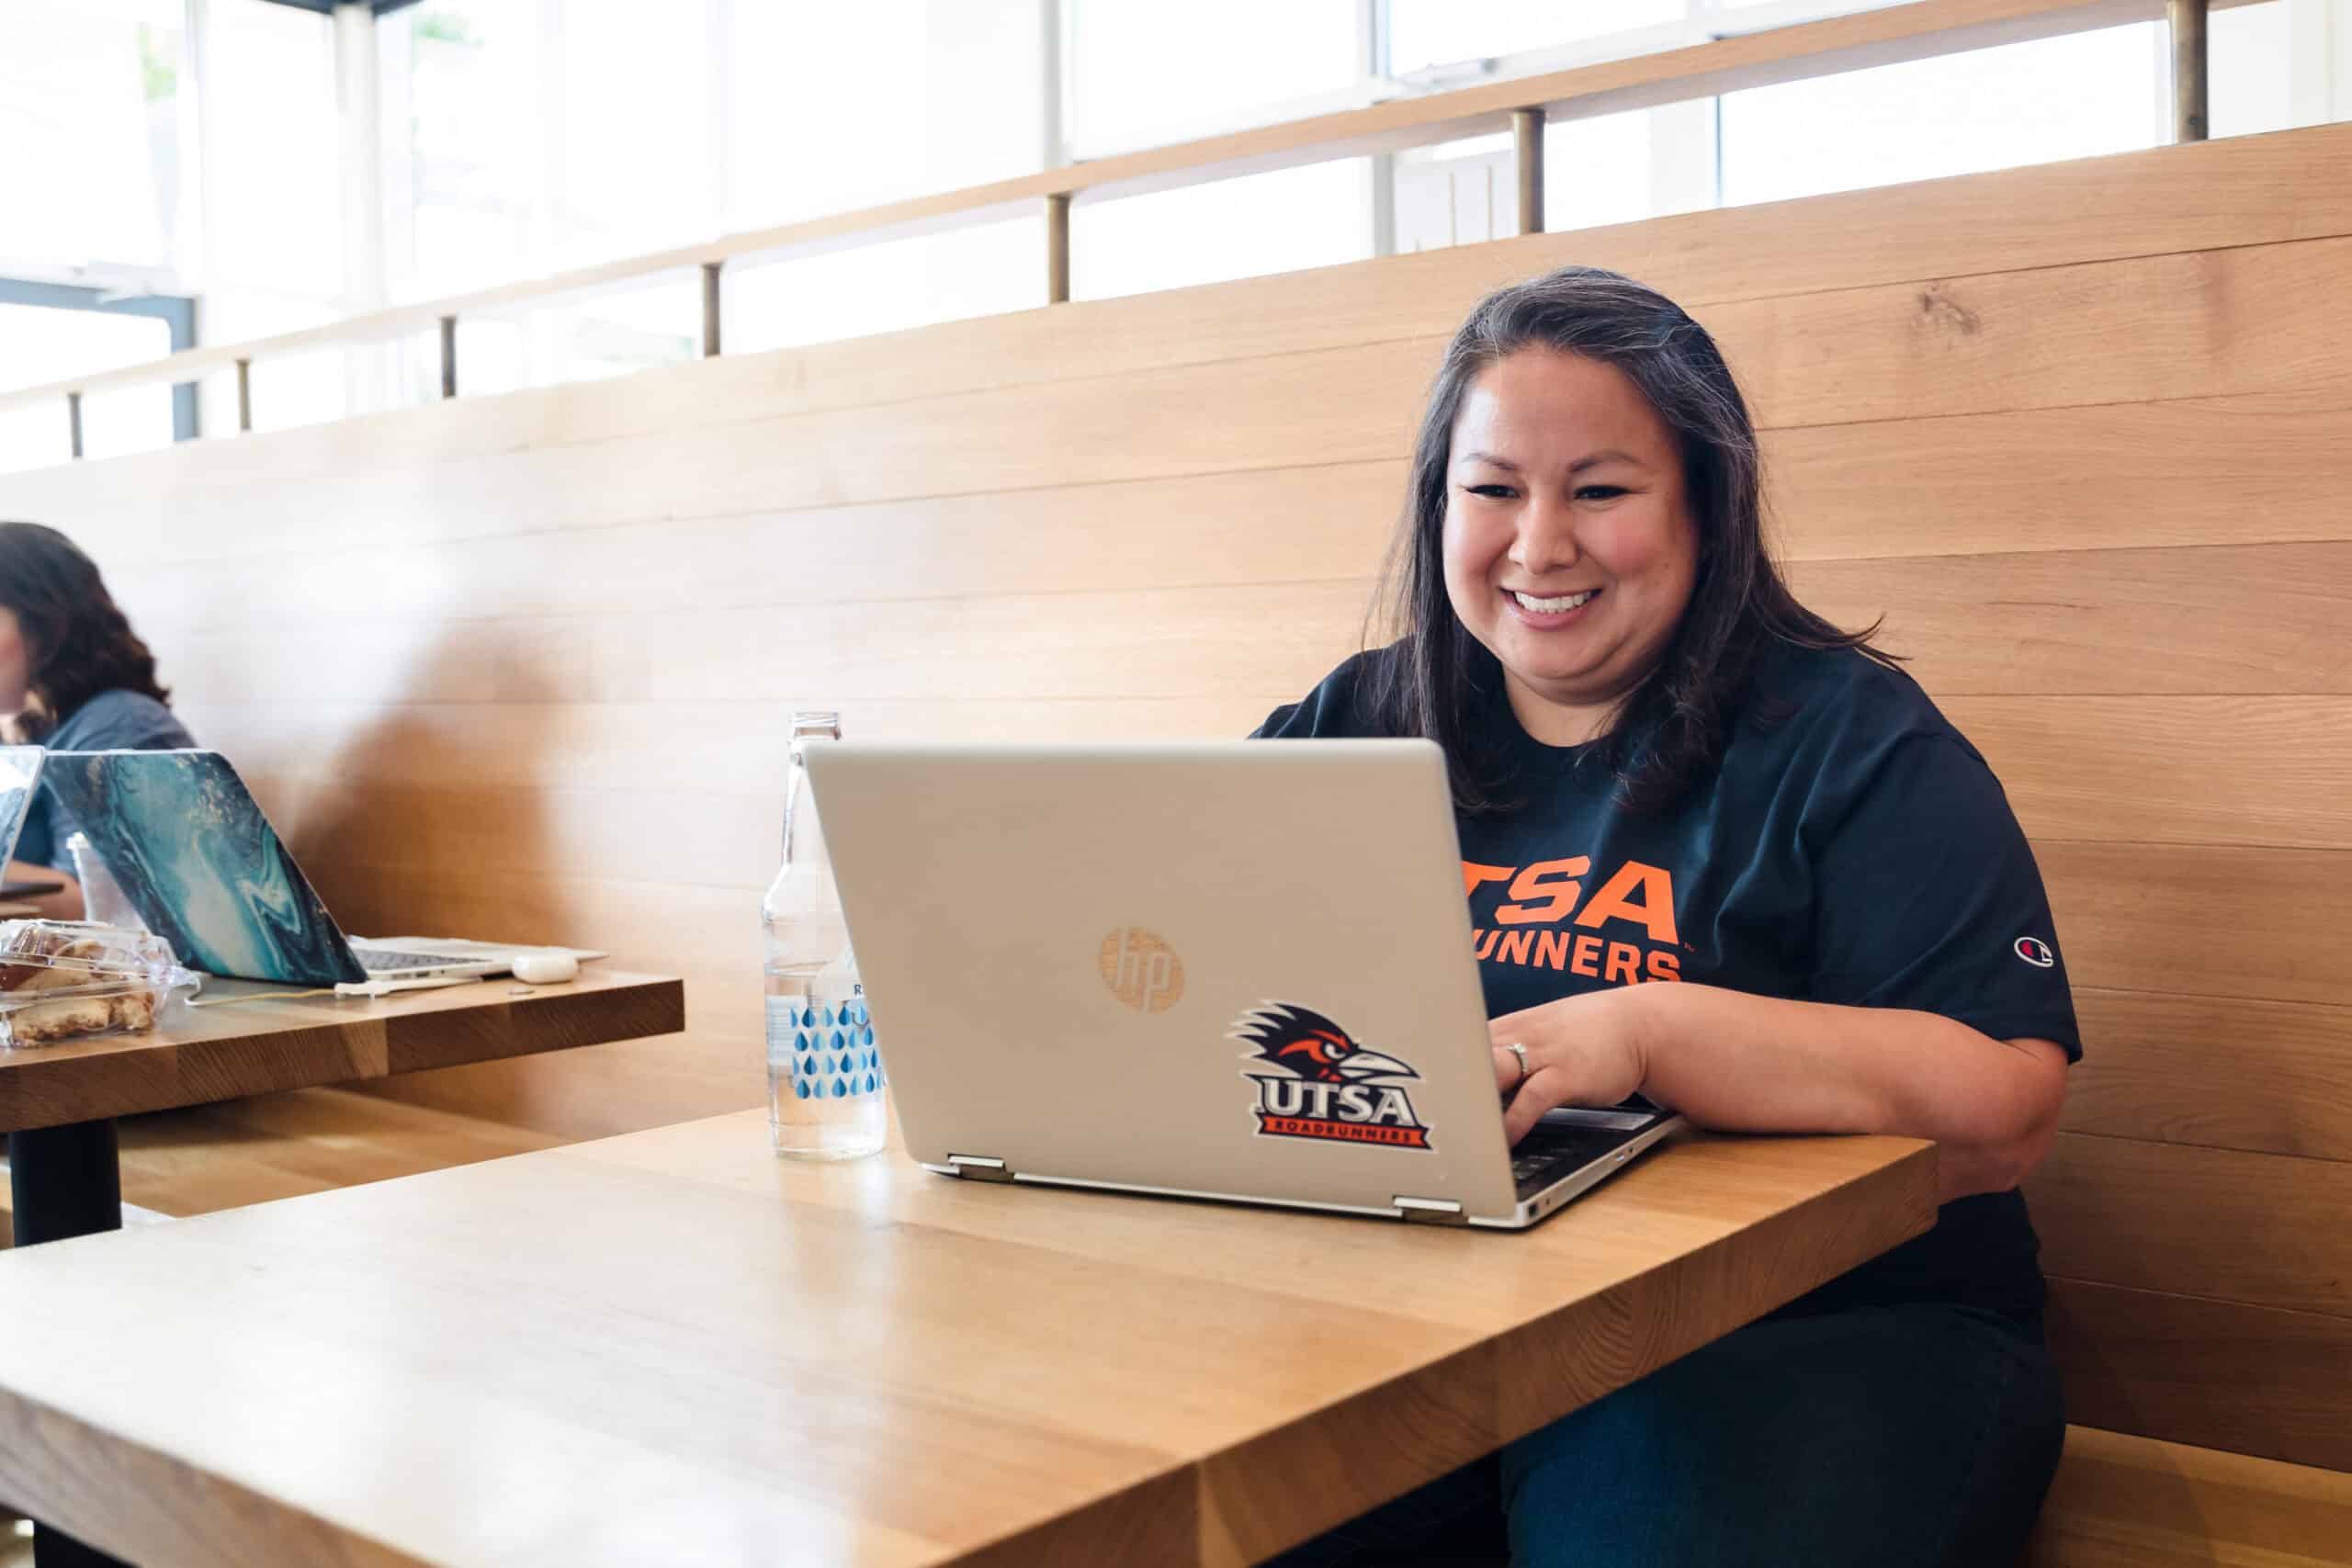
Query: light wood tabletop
673	1347
251	1039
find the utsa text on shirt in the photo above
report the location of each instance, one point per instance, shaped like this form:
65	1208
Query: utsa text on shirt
1622	934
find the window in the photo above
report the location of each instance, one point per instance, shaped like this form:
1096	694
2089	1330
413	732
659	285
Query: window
273	232
463	144
887	286
523	137
51	340
1147	75
1990	108
90	119
2254	74
1425	33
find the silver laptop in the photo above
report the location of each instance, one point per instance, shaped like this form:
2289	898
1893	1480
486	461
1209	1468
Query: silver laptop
1236	970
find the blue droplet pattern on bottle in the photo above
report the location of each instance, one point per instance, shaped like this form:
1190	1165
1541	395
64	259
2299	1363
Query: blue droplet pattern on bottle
834	1053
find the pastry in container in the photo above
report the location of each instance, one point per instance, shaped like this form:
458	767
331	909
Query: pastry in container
69	980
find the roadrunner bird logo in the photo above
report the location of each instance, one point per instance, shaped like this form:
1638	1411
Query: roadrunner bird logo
1326	1084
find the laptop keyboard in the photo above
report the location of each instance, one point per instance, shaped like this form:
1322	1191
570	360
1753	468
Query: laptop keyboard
378	961
1549	1151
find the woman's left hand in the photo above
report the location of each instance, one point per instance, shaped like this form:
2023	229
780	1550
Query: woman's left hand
1581	1050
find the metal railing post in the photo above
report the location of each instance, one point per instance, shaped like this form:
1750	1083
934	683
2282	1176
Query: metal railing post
1527	149
244	395
73	420
448	357
2186	20
1057	248
710	303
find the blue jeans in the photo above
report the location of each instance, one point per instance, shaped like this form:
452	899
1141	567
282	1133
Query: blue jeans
1893	1437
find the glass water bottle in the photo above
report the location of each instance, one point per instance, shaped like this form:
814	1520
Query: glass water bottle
825	1082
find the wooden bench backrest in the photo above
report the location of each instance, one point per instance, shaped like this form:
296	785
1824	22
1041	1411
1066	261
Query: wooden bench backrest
520	666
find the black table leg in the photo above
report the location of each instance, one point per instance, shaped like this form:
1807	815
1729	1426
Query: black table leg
54	1549
65	1182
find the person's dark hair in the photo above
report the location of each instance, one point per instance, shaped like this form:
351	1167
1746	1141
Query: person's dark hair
1439	680
77	641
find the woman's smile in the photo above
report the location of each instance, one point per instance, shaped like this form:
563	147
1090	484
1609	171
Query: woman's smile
1553	611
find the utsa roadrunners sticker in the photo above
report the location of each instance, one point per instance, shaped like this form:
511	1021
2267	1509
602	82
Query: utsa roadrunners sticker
1325	1084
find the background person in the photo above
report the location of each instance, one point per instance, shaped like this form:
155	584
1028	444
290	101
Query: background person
1723	855
73	677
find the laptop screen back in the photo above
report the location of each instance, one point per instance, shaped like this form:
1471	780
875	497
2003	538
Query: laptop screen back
195	856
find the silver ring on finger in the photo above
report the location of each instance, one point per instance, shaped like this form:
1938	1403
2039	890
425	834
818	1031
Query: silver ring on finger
1518	1050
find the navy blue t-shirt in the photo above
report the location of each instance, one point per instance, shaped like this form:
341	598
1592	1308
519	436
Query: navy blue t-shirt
111	721
1849	846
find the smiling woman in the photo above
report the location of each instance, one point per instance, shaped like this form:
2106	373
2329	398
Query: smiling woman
1725	856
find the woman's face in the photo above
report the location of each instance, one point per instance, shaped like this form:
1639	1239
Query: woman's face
16	664
1570	548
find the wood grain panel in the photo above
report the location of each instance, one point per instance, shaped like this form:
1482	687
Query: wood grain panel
2123	622
791	1341
2273	1077
2205	323
2255	771
1279	526
2267	619
2212	323
2242	191
2225	920
717	746
2250	1380
2266	1230
2132	771
2171	769
1142	644
1331	406
2130	918
260	1043
2211	471
207	1158
2125	1501
2203	471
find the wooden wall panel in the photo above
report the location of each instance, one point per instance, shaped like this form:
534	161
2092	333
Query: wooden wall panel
2224	1073
1305	523
2209	920
2265	1230
2171	769
2254	321
2137	623
2115	476
2075	480
2216	1374
691	747
2226	620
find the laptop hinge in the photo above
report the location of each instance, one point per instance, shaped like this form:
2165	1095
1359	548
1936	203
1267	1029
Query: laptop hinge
977	1167
1432	1211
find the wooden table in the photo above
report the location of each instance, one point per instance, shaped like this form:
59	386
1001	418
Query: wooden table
673	1347
58	1103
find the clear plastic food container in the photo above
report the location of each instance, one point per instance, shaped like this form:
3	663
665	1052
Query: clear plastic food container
69	980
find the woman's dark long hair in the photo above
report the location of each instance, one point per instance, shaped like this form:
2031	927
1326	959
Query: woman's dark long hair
76	639
1671	727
